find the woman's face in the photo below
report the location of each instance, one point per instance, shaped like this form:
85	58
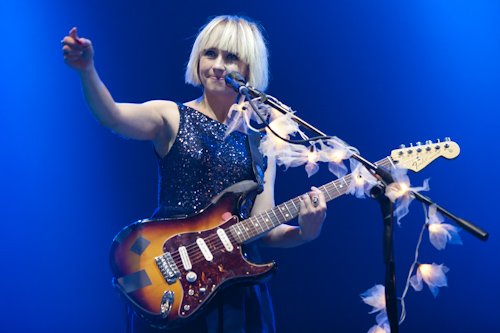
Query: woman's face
214	65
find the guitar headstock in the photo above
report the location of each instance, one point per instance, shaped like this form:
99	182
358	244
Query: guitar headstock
418	156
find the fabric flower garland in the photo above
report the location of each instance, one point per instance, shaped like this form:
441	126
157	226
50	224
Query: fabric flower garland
334	152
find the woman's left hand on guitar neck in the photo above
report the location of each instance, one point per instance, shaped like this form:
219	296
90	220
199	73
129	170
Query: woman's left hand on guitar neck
312	214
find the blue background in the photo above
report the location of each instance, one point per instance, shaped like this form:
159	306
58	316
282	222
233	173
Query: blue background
375	73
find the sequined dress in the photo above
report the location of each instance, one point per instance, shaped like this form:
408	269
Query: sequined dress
200	164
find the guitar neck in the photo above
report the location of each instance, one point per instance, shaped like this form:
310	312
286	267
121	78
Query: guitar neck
255	226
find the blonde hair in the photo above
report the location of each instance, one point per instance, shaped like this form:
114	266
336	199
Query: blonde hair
237	35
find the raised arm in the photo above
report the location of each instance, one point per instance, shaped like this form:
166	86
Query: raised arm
153	120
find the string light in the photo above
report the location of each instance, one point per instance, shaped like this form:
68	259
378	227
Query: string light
334	152
433	275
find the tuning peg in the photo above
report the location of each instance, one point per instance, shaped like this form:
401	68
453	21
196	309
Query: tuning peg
447	139
438	141
401	146
418	144
428	143
410	150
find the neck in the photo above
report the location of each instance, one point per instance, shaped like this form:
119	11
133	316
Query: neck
216	106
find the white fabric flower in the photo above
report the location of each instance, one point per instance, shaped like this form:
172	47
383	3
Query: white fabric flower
334	151
400	191
241	115
441	233
433	275
295	155
273	146
384	328
375	297
361	180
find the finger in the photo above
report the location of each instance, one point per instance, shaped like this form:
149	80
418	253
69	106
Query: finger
305	204
70	41
68	50
74	34
321	197
314	199
84	42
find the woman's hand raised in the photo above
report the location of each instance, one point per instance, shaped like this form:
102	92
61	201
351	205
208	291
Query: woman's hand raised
78	52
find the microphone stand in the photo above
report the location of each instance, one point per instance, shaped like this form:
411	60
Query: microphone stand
378	193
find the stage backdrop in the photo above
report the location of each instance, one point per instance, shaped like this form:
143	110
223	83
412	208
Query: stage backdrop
375	73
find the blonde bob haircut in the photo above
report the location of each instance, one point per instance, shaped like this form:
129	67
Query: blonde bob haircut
237	35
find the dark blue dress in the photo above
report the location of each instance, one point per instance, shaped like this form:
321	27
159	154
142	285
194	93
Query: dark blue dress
200	164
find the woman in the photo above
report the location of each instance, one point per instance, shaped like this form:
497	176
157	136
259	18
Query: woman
193	152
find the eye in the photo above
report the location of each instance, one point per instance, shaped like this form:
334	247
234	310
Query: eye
210	53
232	57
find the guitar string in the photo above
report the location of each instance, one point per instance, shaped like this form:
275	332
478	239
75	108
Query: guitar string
250	233
199	257
217	248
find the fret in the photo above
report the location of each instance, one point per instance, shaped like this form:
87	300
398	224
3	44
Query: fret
250	228
283	217
341	188
277	218
245	229
334	187
283	211
233	236
286	206
263	220
345	181
327	192
236	233
256	224
269	219
331	187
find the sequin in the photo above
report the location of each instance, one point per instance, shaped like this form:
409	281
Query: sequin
200	164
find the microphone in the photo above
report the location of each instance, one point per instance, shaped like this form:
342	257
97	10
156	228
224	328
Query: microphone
236	81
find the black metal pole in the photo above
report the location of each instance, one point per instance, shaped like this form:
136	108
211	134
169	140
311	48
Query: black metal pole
387	209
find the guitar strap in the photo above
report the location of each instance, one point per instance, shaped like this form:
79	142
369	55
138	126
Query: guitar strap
257	159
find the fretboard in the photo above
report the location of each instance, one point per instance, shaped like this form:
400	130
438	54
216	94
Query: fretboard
257	225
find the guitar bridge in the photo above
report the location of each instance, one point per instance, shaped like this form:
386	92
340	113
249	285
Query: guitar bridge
167	267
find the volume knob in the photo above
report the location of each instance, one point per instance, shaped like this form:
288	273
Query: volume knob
191	277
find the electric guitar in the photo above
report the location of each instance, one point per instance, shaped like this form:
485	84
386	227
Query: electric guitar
169	269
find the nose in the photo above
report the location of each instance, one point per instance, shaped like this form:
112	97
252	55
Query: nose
219	64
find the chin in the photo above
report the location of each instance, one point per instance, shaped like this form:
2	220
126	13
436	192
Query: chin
220	91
